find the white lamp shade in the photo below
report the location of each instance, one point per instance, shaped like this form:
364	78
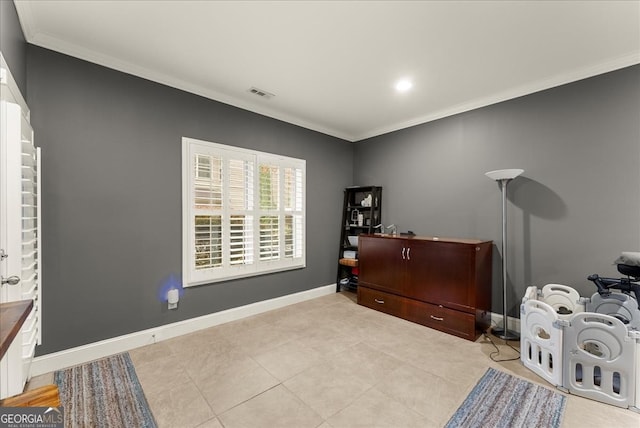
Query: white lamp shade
504	174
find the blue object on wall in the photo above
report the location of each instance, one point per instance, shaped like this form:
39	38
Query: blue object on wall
169	283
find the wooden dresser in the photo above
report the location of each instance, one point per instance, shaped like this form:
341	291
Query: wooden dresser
442	283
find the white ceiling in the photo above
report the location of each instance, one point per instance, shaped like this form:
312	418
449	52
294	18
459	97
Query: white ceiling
332	64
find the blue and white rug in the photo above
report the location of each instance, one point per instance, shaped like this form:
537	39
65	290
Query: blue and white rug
103	393
502	400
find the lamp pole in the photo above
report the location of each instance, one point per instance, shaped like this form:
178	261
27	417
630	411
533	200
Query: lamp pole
503	176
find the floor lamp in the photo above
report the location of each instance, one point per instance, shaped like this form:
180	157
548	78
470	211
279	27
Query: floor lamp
503	176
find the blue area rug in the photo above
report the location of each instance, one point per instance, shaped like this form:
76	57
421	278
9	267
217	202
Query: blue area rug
103	393
502	400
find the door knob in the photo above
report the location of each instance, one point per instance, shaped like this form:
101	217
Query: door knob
12	280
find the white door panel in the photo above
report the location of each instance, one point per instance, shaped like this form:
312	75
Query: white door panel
11	228
20	245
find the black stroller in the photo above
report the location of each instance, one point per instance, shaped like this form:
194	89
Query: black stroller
629	265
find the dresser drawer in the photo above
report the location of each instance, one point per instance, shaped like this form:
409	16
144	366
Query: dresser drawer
450	321
381	301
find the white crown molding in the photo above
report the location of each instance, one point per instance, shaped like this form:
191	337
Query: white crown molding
562	79
26	18
92	351
46	41
71	49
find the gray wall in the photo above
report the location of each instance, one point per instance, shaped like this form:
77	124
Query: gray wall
13	45
111	192
576	207
111	147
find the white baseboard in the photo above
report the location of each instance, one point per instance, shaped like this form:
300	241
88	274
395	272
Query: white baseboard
92	351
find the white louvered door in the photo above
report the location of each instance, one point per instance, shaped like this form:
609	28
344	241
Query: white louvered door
20	230
31	245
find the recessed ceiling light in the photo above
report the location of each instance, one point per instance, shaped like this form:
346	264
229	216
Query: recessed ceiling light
403	85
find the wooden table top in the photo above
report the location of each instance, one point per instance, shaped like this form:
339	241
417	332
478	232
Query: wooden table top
12	316
428	238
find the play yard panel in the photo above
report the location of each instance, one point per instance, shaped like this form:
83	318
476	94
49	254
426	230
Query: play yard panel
601	359
618	305
541	341
592	354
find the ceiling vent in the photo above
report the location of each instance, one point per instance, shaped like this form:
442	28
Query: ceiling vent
261	93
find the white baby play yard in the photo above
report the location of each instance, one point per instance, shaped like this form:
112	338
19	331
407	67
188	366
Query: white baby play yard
587	346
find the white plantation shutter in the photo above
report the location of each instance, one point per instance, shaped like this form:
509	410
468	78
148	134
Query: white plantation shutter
293	189
269	203
240	184
240	209
31	246
20	229
208	241
243	212
269	237
293	197
207	206
269	187
207	182
241	240
293	241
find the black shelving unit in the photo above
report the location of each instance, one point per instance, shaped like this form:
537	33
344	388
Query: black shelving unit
356	219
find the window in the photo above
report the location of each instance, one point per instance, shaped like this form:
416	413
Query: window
243	212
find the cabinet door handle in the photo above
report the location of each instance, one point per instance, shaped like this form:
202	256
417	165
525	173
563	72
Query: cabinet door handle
437	318
403	253
408	253
379	301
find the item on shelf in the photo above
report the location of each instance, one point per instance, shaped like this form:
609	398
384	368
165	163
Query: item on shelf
354	216
361	210
348	254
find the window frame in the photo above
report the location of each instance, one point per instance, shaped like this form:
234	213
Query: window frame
228	271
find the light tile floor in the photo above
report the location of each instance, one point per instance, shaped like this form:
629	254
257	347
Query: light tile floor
327	363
